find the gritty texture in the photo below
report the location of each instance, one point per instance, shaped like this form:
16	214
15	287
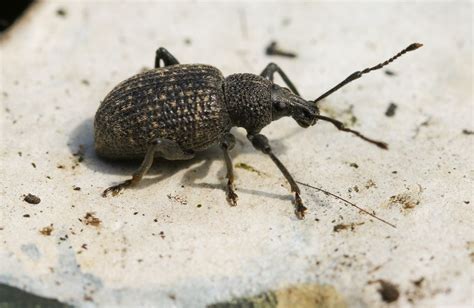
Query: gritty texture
145	249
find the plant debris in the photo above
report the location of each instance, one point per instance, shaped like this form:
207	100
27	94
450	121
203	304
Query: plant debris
32	199
467	132
248	168
90	219
340	227
274	50
408	200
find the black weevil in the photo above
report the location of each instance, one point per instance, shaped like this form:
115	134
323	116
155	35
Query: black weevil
179	109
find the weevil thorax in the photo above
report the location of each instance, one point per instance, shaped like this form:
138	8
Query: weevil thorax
248	101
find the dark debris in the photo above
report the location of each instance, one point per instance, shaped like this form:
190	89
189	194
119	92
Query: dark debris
274	50
32	199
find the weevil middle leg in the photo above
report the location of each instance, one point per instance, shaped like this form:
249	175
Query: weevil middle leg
227	144
165	148
260	142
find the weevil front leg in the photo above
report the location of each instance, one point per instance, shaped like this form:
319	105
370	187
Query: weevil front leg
227	144
260	142
273	68
163	54
165	148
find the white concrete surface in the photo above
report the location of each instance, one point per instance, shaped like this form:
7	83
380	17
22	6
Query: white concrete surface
154	246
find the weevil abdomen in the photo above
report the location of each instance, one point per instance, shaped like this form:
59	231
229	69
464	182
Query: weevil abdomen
183	103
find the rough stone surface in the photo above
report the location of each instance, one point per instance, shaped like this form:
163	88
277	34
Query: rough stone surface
174	241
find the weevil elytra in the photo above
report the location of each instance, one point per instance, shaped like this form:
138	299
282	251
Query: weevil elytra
177	110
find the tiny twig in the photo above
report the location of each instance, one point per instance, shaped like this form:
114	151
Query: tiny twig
348	202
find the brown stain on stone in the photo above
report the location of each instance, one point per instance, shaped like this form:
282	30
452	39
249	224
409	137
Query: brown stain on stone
46	231
301	295
407	201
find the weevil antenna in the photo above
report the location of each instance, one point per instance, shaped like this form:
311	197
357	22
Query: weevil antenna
348	202
359	74
340	126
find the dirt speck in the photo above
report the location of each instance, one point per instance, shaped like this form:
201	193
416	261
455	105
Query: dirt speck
354	165
470	248
390	73
177	198
467	132
32	199
78	156
391	109
388	291
90	219
77	188
34	165
370	184
418	282
61	12
85	82
46	231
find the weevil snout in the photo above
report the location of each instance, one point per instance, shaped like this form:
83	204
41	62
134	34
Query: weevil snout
286	103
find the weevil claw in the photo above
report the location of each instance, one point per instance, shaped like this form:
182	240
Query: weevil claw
299	207
232	197
116	189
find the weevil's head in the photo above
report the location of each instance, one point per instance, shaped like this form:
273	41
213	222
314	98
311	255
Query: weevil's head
253	102
286	103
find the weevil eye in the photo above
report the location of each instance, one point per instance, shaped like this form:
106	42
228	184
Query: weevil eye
307	113
279	106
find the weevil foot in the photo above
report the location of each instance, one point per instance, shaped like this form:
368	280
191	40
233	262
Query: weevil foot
231	195
300	209
116	189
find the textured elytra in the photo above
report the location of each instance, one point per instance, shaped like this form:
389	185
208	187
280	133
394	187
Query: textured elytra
183	103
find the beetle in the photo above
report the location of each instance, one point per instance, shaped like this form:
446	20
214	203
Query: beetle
176	110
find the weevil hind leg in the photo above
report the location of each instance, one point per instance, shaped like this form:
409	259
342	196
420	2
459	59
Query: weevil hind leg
165	148
273	68
260	142
163	54
226	145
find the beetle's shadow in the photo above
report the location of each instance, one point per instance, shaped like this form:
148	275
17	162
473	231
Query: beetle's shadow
81	142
